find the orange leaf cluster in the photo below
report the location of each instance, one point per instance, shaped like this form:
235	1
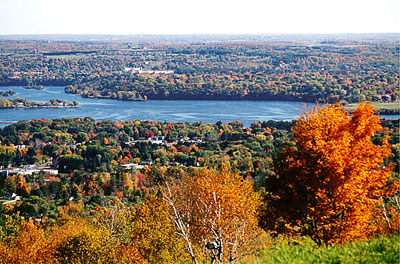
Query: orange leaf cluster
329	183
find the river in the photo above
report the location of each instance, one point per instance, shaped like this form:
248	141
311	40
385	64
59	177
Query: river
170	111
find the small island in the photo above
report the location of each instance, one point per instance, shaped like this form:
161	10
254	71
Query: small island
35	87
24	103
9	92
118	95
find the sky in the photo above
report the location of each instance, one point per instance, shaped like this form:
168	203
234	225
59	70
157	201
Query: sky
125	17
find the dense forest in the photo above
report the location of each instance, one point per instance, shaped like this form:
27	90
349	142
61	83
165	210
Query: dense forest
79	191
349	70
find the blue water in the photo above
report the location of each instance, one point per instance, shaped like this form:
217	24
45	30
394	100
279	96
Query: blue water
170	111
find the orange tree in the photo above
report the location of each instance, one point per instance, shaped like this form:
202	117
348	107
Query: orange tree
330	182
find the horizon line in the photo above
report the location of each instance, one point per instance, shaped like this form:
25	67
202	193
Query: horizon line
191	34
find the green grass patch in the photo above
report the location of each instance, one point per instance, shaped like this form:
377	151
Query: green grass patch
376	251
377	105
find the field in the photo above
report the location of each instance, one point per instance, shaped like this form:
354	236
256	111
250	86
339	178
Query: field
378	250
377	105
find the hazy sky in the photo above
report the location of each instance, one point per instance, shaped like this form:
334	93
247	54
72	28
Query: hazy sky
198	17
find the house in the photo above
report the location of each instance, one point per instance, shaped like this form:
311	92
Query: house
132	166
383	97
184	139
12	199
141	70
29	170
133	70
156	140
174	163
19	146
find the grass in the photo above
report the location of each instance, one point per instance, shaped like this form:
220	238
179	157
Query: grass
377	105
376	251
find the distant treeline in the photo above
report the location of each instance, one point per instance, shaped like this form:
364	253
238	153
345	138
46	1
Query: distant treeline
68	53
388	111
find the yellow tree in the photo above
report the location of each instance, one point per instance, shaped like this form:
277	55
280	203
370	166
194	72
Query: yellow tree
215	213
24	242
79	241
144	227
153	233
328	183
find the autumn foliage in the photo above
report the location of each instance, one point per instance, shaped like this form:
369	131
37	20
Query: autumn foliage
153	233
215	213
23	242
330	183
74	240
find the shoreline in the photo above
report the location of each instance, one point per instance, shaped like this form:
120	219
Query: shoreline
45	106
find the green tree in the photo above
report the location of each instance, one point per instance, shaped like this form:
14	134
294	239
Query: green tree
68	163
